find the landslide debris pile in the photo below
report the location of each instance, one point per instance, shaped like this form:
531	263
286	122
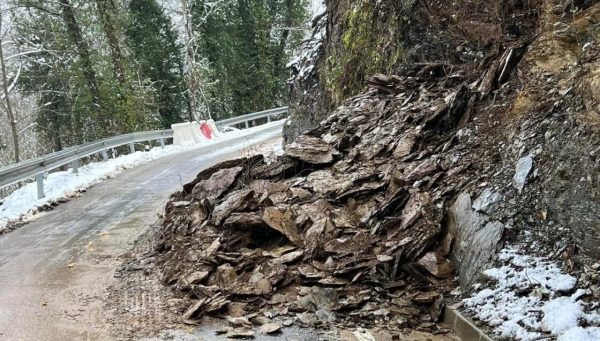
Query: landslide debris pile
344	229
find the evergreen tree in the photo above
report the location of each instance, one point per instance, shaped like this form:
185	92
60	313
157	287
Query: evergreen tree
157	55
248	44
107	10
53	75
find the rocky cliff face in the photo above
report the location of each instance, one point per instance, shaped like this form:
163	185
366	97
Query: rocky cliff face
536	99
359	38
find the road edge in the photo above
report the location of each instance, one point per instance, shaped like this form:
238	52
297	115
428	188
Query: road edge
463	326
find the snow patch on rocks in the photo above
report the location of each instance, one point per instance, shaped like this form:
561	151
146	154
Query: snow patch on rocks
581	334
532	298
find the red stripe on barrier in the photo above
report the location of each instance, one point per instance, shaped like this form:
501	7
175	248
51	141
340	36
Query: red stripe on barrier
206	131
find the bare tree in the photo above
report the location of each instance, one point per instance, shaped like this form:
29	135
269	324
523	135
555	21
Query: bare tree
194	63
105	7
11	116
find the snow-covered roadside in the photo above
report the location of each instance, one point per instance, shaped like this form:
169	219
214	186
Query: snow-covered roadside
532	299
23	204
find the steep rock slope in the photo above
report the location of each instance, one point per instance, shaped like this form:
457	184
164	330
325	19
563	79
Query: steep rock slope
547	108
356	39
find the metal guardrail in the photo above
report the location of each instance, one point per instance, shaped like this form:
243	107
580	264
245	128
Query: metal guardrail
36	167
250	117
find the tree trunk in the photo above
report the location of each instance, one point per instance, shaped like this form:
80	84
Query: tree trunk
113	41
11	117
283	40
193	81
68	15
189	61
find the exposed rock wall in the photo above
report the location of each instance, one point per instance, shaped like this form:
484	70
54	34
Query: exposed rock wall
547	113
474	235
538	98
557	108
360	38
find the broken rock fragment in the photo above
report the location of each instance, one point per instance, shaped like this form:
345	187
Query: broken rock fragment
225	275
414	209
290	257
235	201
217	184
310	149
522	170
240	333
487	201
422	170
282	221
404	147
436	265
270	328
196	277
243	220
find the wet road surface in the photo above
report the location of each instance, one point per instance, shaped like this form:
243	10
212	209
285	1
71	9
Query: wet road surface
54	271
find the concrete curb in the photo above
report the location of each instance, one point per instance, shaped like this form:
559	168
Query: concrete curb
464	328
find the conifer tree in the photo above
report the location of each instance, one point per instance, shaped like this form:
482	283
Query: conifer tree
248	45
157	56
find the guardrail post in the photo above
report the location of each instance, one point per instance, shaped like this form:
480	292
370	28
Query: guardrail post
104	155
75	166
131	148
162	142
39	178
246	124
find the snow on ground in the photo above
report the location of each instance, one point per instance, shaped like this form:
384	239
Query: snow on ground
272	150
533	299
23	204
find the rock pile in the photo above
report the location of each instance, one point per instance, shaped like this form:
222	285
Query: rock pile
345	228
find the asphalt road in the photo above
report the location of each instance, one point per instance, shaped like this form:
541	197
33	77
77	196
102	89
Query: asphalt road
54	271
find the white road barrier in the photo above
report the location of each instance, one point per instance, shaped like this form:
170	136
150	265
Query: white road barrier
188	133
213	126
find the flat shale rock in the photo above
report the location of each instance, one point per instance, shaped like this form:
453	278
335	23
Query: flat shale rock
234	202
217	184
283	221
270	328
310	149
243	220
